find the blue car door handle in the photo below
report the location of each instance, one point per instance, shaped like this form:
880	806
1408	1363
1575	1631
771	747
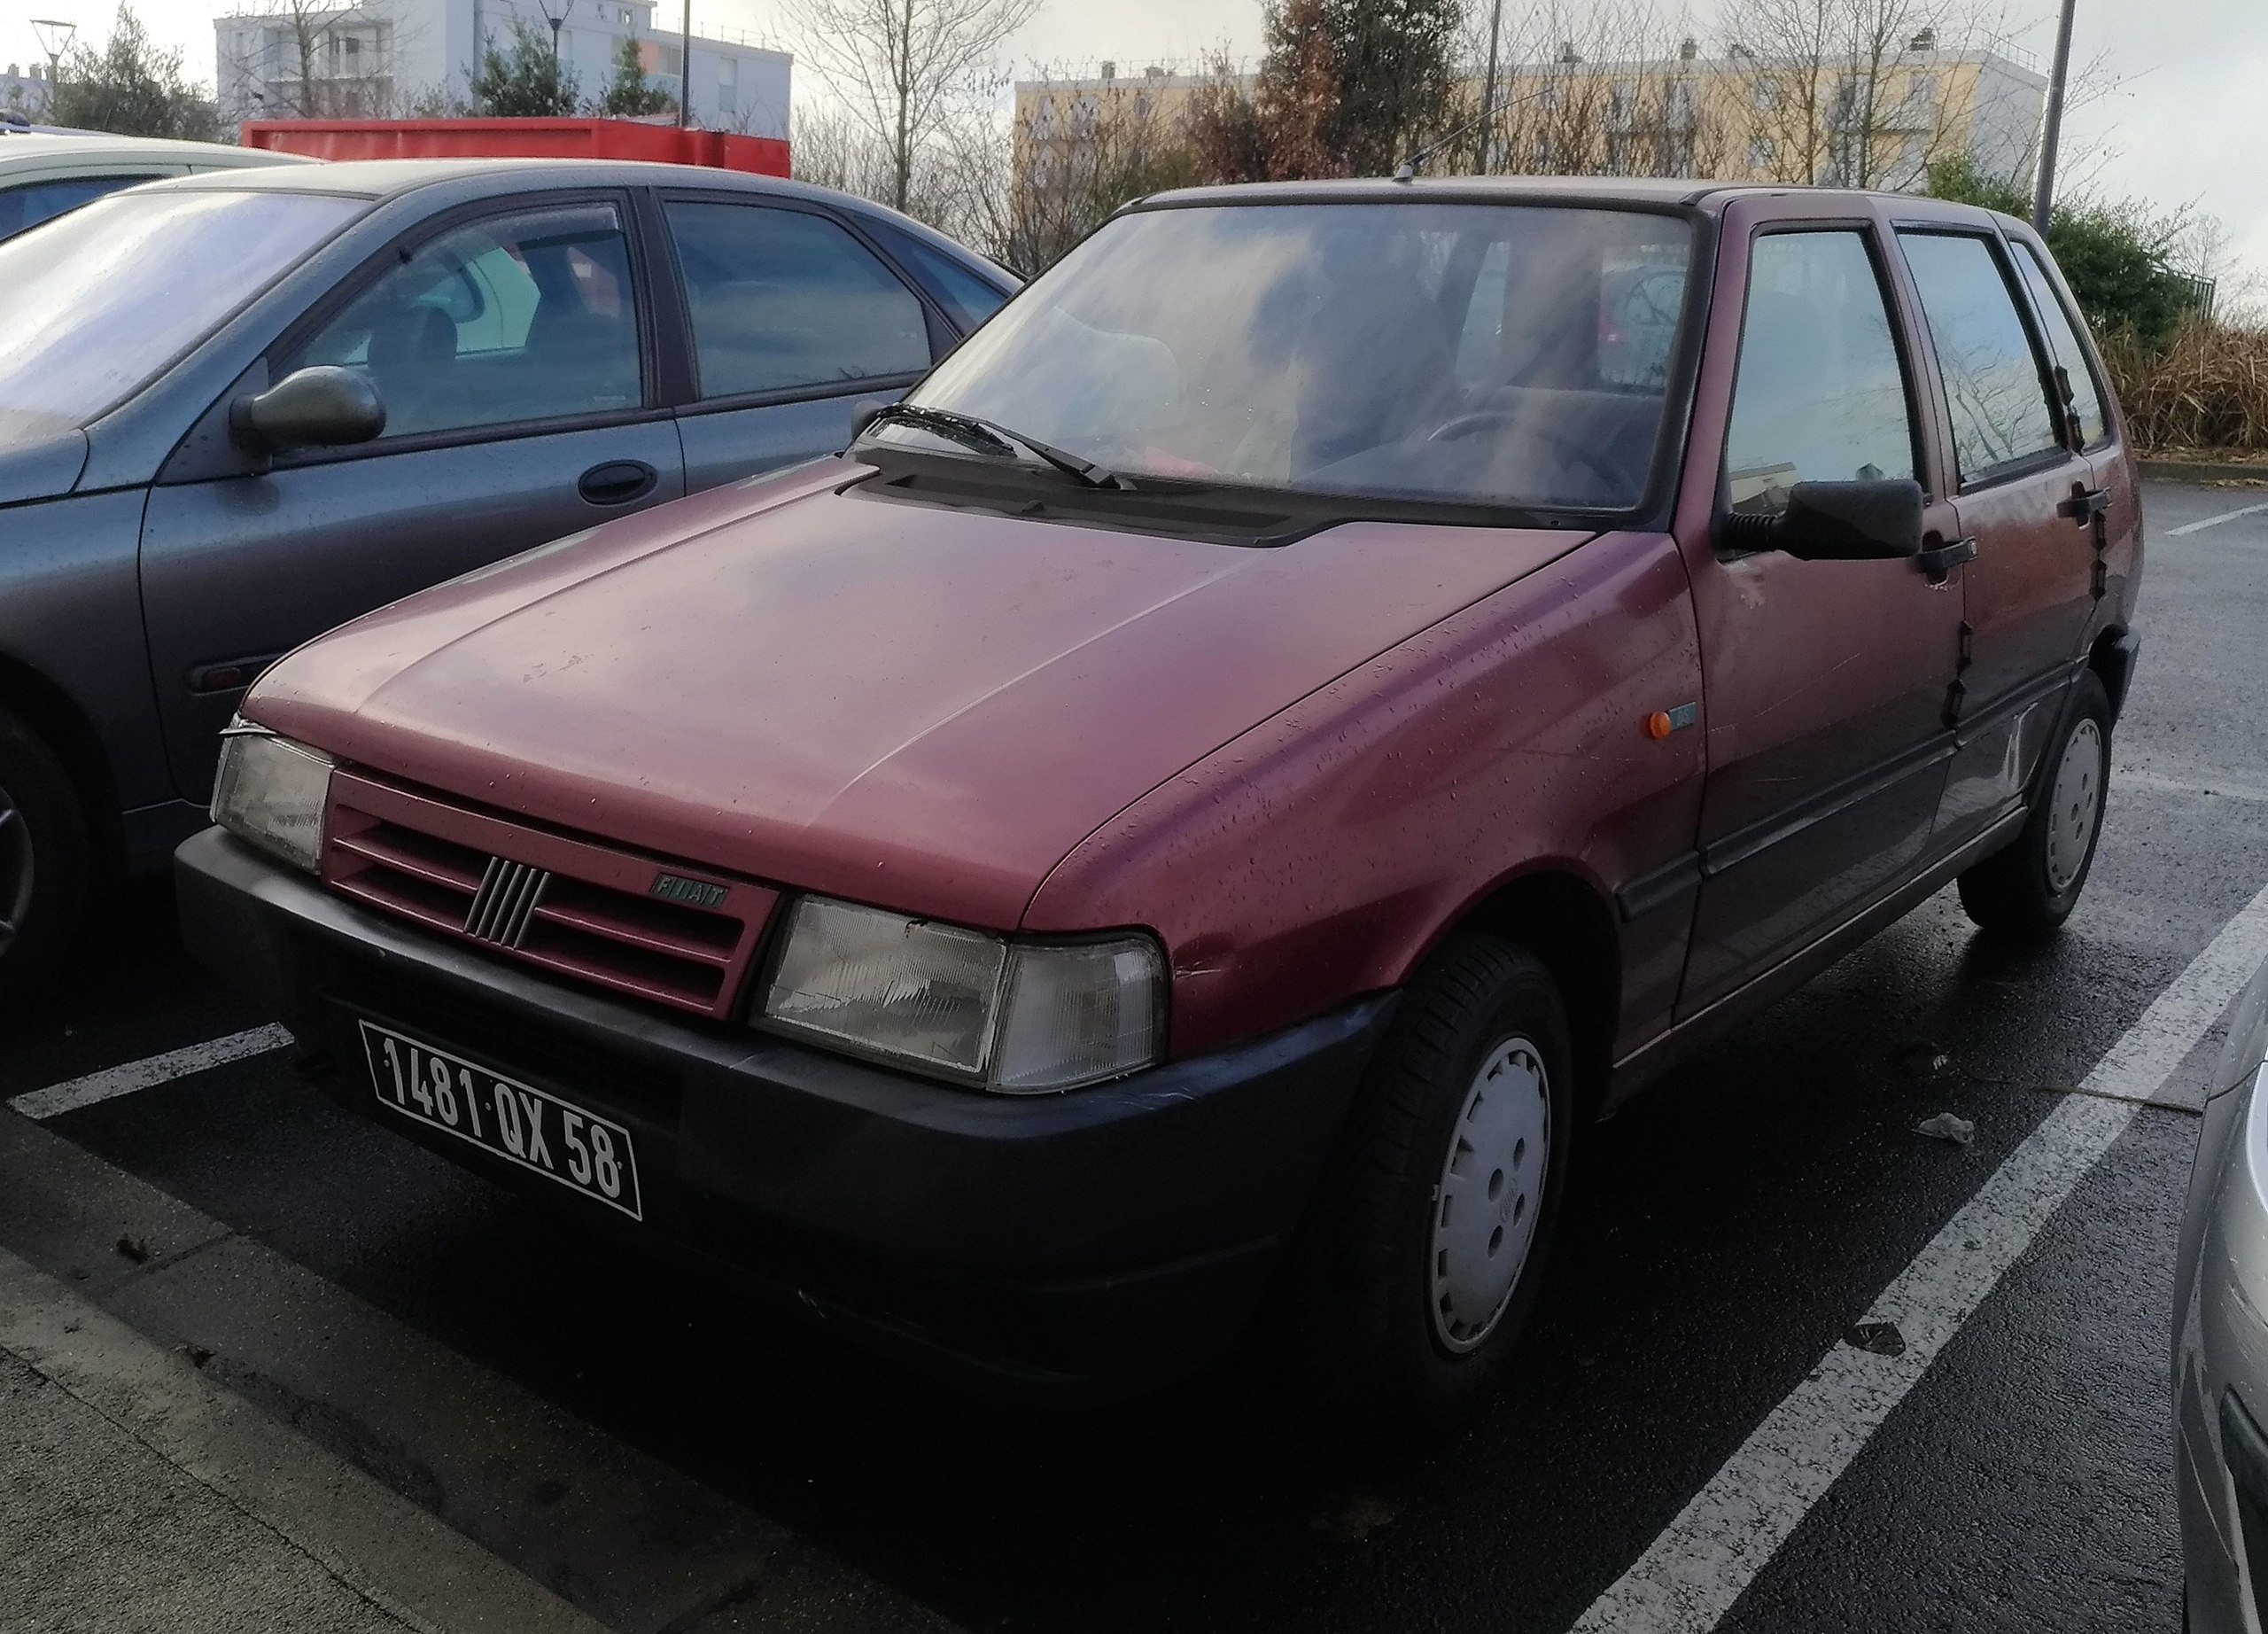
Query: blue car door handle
617	482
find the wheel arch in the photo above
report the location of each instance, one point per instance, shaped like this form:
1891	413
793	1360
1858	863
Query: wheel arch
1566	922
50	712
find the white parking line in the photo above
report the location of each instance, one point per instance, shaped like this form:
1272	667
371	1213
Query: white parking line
2226	516
114	1081
1689	1579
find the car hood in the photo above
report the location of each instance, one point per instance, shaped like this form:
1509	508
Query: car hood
920	707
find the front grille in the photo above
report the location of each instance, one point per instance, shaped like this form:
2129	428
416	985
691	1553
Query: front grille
570	905
500	908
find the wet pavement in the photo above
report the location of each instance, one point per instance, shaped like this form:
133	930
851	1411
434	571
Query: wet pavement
1729	1229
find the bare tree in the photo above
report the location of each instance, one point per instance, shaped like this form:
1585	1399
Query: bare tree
1860	93
1614	89
907	67
313	59
1080	152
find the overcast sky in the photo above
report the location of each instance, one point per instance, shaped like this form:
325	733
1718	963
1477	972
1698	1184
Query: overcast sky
2189	123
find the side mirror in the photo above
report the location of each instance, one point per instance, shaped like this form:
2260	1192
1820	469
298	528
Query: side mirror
1838	522
325	407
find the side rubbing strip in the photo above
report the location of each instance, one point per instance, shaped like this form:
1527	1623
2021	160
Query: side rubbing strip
1642	896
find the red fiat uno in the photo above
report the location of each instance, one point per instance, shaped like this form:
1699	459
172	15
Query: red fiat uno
1189	818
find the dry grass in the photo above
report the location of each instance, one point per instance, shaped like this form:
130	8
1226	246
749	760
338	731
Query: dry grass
2208	389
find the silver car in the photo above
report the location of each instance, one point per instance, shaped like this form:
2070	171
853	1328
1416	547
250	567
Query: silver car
2220	1340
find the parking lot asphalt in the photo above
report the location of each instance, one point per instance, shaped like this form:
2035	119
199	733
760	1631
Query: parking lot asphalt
662	1454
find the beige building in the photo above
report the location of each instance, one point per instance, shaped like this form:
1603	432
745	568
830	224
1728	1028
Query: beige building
1876	122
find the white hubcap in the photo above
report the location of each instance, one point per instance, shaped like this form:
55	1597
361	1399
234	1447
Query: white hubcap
1490	1191
2073	806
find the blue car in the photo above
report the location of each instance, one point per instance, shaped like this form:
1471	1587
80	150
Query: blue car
240	408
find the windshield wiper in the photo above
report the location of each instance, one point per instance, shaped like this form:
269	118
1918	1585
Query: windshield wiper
987	437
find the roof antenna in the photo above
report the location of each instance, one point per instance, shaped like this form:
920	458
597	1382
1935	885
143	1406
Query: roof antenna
1407	170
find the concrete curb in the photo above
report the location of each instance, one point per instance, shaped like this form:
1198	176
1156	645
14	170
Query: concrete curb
374	1542
2206	471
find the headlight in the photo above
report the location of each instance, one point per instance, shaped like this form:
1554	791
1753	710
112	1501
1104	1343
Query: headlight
1015	1017
272	792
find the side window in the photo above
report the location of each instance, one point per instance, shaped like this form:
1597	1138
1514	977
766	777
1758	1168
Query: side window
2075	380
1992	387
518	317
968	298
26	206
1819	395
782	299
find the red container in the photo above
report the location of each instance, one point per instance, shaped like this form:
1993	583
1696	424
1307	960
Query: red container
516	138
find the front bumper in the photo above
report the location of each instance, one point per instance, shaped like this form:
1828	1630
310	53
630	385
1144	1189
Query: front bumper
1095	1244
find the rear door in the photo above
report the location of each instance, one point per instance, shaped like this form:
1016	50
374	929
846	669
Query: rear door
514	354
2115	526
2021	493
794	327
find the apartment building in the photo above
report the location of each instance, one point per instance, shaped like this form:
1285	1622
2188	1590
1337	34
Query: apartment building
377	58
1739	116
24	90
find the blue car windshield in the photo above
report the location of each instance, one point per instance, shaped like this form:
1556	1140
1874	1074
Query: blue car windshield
96	303
1474	354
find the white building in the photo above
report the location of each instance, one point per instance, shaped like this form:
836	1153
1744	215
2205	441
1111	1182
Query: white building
24	90
401	59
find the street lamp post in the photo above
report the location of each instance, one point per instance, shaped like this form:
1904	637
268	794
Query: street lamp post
685	71
1488	87
54	37
2043	191
556	22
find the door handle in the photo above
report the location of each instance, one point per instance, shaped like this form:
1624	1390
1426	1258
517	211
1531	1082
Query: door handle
2084	505
1940	561
617	482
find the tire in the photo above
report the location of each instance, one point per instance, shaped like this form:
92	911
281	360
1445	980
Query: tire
43	857
2028	889
1398	1310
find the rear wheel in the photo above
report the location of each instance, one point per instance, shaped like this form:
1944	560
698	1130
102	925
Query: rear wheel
1415	1276
44	855
2030	889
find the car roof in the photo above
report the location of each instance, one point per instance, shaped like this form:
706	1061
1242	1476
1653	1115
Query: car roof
1656	191
390	178
19	145
385	178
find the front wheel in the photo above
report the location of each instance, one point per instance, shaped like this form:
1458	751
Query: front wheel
2030	889
1417	1269
44	855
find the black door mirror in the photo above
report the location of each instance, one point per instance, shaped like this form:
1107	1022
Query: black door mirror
1837	521
325	407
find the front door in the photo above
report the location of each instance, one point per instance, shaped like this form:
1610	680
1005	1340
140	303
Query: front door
510	352
796	328
2021	497
1826	681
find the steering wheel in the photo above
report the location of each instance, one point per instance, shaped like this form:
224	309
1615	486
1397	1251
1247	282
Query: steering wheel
1563	442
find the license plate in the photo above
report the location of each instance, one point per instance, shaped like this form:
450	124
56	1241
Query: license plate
518	1122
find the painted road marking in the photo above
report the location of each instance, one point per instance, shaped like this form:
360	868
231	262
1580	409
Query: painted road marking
2226	516
113	1082
1688	1578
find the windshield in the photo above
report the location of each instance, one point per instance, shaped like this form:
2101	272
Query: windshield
95	303
1474	354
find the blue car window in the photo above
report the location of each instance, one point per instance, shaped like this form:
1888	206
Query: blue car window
515	318
26	206
782	299
968	298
